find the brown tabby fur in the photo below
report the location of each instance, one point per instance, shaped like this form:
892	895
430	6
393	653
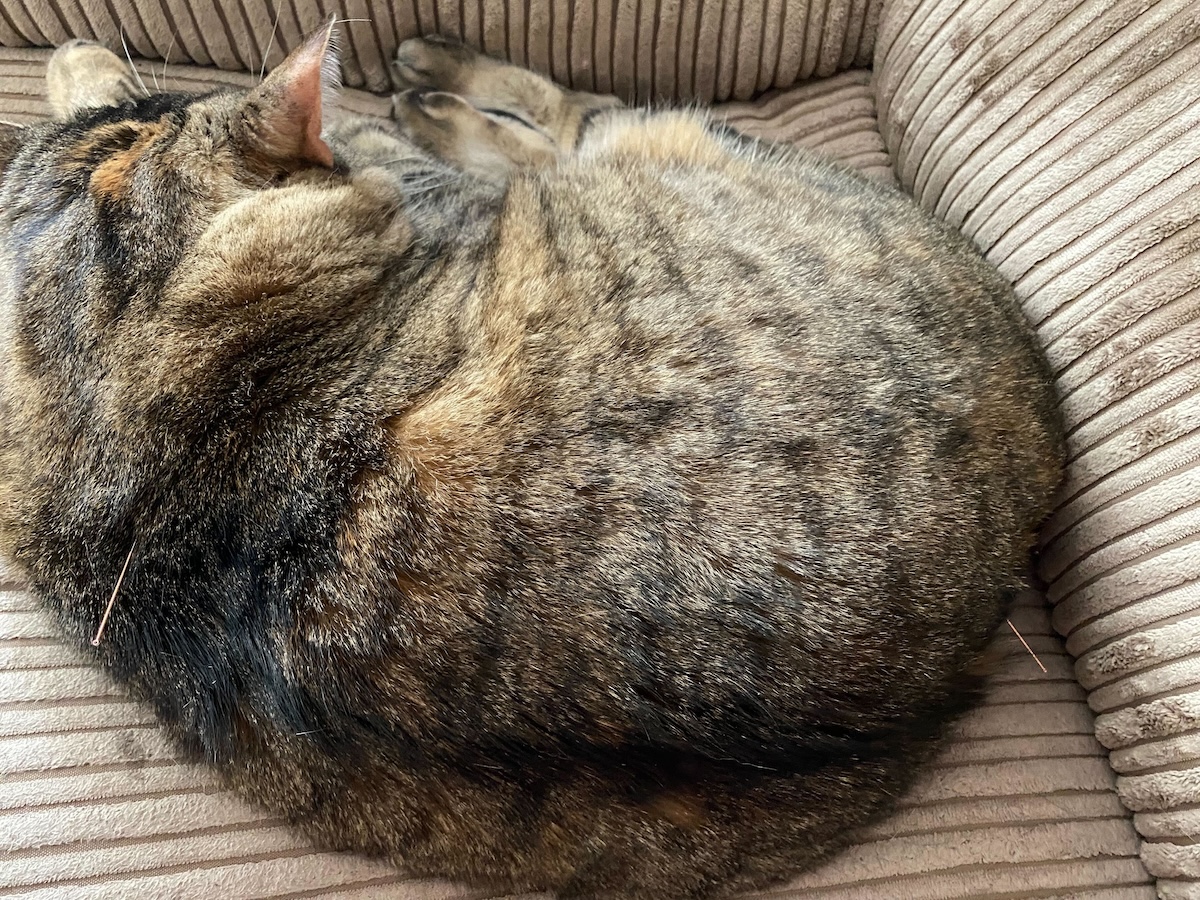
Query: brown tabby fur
533	491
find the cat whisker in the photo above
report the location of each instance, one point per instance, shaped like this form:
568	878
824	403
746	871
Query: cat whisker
411	157
429	181
262	71
443	177
426	188
167	57
132	67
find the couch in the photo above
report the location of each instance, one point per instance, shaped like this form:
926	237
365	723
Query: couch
1063	137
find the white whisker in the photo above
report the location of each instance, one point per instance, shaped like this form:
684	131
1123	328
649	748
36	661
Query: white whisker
399	159
425	188
262	72
132	67
167	58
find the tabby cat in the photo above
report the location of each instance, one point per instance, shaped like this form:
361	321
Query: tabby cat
531	490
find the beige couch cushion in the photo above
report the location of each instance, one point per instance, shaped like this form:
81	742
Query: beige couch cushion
1064	137
706	50
92	804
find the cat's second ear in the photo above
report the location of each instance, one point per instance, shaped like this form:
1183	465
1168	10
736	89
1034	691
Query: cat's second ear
284	113
82	75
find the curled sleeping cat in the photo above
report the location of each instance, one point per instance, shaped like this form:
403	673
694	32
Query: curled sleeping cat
532	490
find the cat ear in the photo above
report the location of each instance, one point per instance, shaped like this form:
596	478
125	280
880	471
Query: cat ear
285	111
83	75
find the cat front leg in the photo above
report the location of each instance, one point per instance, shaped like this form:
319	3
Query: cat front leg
537	121
531	110
481	144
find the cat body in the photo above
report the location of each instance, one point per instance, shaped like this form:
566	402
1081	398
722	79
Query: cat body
532	491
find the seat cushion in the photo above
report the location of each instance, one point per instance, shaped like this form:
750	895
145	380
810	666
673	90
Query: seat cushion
1064	138
94	804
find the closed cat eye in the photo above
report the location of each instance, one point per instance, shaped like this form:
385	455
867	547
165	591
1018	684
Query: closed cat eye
508	117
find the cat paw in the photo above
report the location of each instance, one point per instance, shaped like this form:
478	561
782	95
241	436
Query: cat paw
364	142
414	105
441	124
435	63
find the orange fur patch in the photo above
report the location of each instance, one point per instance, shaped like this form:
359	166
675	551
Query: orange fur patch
429	439
111	178
82	153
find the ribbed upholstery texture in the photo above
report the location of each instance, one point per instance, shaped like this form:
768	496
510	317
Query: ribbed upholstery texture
708	50
93	805
1063	137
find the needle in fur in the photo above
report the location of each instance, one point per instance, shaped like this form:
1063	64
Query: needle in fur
1026	645
112	600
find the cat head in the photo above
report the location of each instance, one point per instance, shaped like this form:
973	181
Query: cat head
142	175
248	136
126	191
176	245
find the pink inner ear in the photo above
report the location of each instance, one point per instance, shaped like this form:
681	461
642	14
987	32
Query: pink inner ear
308	99
291	100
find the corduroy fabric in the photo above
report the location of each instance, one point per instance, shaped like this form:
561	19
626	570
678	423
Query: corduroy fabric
679	49
94	805
1063	137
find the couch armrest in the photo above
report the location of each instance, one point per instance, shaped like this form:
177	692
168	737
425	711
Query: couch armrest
1064	138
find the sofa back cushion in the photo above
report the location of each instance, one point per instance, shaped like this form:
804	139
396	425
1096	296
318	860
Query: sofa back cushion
655	49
